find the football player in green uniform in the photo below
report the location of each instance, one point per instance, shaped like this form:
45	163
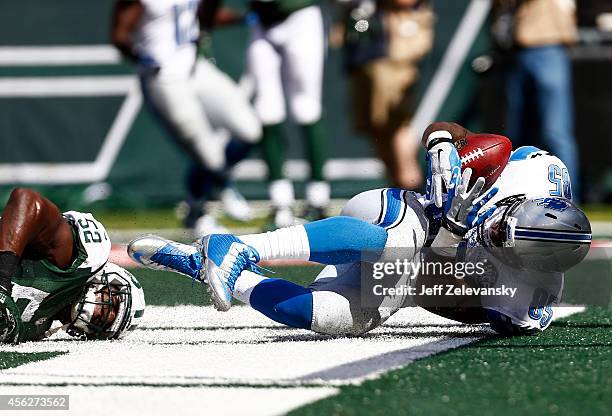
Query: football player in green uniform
54	267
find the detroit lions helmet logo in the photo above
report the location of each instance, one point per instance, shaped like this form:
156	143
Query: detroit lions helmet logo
556	204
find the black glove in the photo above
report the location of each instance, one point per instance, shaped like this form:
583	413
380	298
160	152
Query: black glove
10	318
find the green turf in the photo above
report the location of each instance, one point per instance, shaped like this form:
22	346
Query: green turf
598	212
589	283
165	288
153	219
566	370
15	359
156	219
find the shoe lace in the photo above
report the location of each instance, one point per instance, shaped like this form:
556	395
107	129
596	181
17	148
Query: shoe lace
177	260
245	260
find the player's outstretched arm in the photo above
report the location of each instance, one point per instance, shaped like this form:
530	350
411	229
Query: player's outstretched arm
33	226
30	225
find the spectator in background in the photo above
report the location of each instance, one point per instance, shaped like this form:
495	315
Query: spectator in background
534	35
385	40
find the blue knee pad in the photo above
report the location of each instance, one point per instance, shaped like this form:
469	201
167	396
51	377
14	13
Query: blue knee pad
283	302
339	240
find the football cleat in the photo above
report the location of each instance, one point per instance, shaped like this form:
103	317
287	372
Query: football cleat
155	252
226	256
234	205
207	224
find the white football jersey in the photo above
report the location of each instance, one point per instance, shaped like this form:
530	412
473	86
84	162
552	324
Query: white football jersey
536	174
93	238
166	36
529	305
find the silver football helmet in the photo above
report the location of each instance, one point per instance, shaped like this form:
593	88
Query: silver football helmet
111	302
543	234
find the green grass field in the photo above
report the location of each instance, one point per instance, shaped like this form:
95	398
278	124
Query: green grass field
565	370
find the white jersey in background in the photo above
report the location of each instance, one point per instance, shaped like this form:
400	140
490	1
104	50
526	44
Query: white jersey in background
166	36
201	105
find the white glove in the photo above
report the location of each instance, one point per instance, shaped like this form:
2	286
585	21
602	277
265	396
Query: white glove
442	157
462	205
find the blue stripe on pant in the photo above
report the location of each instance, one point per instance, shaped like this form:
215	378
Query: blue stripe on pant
340	240
283	302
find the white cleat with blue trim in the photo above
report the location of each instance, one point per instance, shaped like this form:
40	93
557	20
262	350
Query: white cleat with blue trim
225	257
157	253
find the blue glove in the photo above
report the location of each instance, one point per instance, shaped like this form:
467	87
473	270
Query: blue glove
462	206
442	158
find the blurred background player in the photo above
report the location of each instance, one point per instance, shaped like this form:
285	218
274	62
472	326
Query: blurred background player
54	266
200	105
384	42
533	35
285	56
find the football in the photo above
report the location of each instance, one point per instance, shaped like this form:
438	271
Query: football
485	154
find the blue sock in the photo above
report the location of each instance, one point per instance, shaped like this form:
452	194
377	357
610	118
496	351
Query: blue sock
283	302
340	240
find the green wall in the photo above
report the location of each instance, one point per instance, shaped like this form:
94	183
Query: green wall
150	168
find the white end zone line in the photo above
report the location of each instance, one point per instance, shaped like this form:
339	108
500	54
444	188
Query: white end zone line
242	347
262	367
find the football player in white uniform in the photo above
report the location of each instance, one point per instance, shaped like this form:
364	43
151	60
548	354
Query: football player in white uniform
527	214
285	57
201	106
54	267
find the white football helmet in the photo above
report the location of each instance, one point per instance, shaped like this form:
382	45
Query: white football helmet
112	302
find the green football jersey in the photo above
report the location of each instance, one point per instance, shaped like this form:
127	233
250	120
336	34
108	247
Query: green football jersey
275	11
42	291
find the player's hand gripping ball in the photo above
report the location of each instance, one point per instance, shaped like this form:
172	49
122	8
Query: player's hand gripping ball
464	202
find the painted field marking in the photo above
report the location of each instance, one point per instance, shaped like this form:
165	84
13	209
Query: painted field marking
192	345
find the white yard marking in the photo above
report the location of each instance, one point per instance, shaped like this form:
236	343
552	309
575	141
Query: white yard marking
226	401
197	347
